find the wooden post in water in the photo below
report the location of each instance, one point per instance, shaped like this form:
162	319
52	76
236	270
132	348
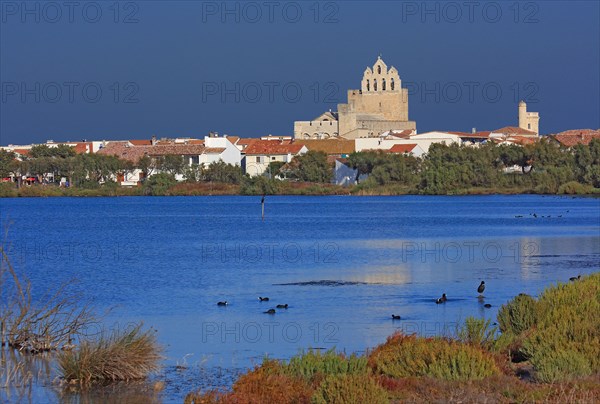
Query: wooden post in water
262	205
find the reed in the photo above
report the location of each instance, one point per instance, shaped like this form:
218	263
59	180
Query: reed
120	356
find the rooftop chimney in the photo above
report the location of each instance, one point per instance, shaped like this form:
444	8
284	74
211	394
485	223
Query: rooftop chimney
153	140
474	130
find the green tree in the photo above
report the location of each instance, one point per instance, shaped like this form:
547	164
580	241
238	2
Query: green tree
159	184
312	167
171	163
220	171
7	159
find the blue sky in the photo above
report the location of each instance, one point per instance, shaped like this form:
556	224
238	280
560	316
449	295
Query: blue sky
106	70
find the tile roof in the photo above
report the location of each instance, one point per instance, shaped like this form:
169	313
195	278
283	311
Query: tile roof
214	150
132	153
247	141
266	147
83	147
330	146
125	151
522	140
176	149
514	130
402	148
141	142
572	137
480	135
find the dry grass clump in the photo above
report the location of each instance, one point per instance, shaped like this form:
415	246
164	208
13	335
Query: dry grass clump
122	356
409	355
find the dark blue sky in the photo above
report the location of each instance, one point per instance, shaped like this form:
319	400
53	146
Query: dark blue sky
252	68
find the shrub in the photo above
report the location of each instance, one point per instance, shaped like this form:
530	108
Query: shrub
517	315
553	366
8	190
403	356
129	355
349	389
574	188
565	342
329	363
477	332
159	184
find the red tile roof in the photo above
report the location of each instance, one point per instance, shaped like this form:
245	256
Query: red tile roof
521	140
124	151
514	130
84	147
572	137
329	146
267	147
133	153
214	150
22	152
141	142
176	149
404	134
402	148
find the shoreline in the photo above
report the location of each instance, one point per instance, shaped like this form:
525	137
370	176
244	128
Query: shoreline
297	189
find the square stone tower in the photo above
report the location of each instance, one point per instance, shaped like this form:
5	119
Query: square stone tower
528	120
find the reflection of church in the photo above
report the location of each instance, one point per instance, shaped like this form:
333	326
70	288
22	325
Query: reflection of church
379	106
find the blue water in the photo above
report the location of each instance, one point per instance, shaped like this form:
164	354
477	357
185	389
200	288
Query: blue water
343	264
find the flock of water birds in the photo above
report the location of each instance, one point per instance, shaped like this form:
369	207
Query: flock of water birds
441	300
262	299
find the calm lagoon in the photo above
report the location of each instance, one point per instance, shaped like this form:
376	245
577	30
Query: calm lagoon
344	265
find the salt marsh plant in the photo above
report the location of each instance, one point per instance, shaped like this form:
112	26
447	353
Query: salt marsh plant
409	355
350	389
565	343
313	363
120	356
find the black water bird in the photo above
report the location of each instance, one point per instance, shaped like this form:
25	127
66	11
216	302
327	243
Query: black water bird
270	311
441	299
487	305
518	215
575	278
222	303
263	299
282	306
535	215
395	317
481	287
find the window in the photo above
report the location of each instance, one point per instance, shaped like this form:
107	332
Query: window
368	86
379	69
195	160
383	85
392	84
528	126
375	85
258	159
272	158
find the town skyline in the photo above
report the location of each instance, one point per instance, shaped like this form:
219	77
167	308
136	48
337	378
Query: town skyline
246	81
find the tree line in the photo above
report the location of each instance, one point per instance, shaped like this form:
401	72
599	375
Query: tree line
542	167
